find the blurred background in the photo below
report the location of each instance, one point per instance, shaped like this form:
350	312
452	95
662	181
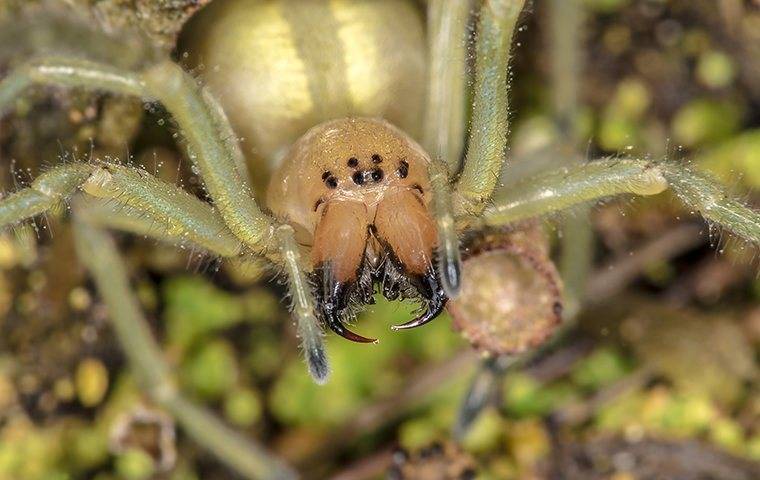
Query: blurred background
655	375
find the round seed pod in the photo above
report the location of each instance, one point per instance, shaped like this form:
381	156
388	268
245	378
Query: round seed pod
511	299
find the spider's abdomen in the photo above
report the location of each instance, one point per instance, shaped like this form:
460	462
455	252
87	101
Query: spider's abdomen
279	67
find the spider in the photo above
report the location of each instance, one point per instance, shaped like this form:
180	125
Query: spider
354	204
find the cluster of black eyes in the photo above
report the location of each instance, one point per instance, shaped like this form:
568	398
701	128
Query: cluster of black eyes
360	177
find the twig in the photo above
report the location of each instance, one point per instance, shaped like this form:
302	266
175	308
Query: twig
581	411
616	275
415	391
98	252
366	468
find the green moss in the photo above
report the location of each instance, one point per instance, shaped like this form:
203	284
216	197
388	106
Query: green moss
135	464
360	372
602	367
242	407
485	434
605	6
194	308
211	370
715	69
705	121
524	397
736	158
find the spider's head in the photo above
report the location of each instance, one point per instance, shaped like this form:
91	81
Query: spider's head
358	192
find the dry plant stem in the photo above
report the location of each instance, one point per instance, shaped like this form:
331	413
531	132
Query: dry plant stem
578	412
448	256
140	204
99	254
566	21
611	279
481	392
489	128
199	122
302	300
447	80
565	27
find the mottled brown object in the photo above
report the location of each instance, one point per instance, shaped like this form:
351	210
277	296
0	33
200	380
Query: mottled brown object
149	430
511	298
606	458
436	462
160	20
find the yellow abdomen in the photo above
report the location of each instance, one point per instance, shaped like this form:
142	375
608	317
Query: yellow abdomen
280	67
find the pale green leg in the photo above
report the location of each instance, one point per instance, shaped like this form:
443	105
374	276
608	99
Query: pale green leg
448	256
99	254
210	140
445	116
208	144
303	301
699	191
555	191
46	192
487	145
148	206
577	235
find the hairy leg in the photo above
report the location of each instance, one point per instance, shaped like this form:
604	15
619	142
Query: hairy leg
448	256
489	128
303	306
151	207
210	141
445	115
215	157
558	190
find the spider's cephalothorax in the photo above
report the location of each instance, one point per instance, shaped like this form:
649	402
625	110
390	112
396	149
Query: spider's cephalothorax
357	192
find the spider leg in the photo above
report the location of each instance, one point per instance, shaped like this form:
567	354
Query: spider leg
487	143
449	259
202	123
210	142
557	190
444	130
303	301
135	202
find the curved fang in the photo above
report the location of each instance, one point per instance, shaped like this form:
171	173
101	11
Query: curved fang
432	291
337	326
335	300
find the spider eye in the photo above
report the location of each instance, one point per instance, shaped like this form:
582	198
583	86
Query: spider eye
353	162
331	182
358	178
325	175
403	169
377	174
376	158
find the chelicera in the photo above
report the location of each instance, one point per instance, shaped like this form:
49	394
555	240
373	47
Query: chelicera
368	228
